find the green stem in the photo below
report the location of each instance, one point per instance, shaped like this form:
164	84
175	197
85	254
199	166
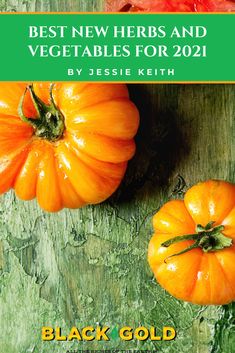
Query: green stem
180	238
49	123
208	239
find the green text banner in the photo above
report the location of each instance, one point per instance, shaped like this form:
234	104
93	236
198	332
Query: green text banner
118	47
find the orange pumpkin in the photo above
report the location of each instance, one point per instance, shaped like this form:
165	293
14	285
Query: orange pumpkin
192	252
66	144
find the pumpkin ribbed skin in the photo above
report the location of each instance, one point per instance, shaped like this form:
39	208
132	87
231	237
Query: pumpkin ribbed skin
87	164
196	276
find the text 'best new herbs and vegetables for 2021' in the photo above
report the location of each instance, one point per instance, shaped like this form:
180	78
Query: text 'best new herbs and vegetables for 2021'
67	144
192	252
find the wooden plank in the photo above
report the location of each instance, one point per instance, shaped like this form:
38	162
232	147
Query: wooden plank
51	5
89	266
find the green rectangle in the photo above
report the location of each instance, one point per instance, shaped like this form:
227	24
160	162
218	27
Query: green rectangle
208	58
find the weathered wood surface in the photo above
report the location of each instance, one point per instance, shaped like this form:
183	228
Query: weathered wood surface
88	266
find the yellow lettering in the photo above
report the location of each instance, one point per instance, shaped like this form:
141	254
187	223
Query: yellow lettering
138	332
58	335
168	333
48	334
85	335
153	336
126	334
74	334
101	334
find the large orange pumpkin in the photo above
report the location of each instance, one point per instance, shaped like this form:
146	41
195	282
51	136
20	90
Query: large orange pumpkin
66	144
192	252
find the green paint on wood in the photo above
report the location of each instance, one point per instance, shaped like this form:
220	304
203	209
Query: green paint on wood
89	266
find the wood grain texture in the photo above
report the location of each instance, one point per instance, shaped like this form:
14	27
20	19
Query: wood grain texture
89	266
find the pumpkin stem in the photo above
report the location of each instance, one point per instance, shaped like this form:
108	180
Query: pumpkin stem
49	123
208	238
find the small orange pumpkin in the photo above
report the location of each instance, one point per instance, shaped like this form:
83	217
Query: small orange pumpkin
66	144
192	253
